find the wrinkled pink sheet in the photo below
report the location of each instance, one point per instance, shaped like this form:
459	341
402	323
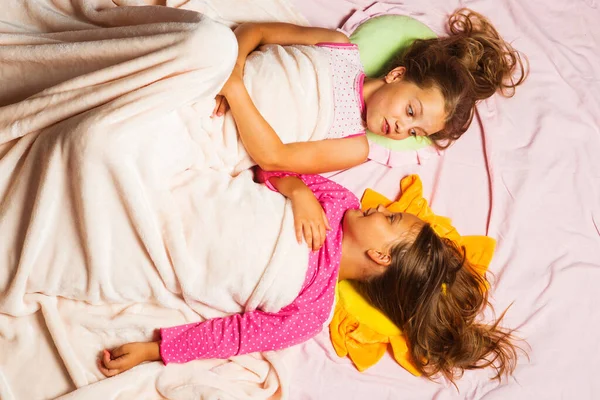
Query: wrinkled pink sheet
526	173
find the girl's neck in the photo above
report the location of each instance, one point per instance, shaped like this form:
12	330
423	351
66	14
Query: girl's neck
370	86
349	265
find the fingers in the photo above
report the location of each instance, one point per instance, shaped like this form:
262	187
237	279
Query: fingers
118	359
221	106
314	234
106	358
118	363
298	228
322	235
105	371
118	352
308	234
326	221
317	237
217	104
106	365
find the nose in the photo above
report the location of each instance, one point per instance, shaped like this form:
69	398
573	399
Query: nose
403	128
381	209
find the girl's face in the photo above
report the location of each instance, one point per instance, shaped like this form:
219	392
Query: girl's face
400	109
378	228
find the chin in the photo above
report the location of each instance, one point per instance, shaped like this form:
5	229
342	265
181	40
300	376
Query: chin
375	129
348	217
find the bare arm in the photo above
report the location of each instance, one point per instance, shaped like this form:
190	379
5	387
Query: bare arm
260	140
289	186
271	154
251	35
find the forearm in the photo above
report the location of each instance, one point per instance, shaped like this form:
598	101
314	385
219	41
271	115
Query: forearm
289	186
251	35
153	351
258	137
271	154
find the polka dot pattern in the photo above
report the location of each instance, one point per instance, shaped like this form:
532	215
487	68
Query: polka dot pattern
295	323
348	78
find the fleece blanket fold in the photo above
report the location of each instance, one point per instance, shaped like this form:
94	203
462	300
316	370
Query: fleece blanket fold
117	214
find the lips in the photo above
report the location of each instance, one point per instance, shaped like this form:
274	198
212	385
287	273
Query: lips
385	127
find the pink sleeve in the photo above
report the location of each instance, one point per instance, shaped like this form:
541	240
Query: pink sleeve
240	334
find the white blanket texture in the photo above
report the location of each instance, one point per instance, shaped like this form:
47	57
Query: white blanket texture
124	207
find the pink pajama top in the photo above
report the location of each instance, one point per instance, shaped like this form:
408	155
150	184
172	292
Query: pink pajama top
299	321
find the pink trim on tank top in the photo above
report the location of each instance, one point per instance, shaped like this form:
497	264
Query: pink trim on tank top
333	44
363	133
361	99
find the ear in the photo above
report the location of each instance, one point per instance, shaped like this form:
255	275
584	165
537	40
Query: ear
379	258
395	75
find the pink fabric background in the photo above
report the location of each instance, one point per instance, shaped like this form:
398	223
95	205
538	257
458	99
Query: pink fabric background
526	173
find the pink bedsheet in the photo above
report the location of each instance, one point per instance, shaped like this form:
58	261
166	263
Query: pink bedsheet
526	173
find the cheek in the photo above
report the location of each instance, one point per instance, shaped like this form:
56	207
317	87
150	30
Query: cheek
375	232
378	101
376	109
397	103
361	232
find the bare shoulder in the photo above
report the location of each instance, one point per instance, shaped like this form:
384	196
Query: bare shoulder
339	37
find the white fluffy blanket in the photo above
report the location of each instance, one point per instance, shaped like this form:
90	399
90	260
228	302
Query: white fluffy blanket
118	211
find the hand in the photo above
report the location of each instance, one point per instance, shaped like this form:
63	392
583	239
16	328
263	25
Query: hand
221	106
127	356
236	78
309	219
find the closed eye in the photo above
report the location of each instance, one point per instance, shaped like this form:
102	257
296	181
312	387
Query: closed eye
410	111
395	218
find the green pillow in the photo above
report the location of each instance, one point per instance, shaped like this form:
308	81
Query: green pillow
379	40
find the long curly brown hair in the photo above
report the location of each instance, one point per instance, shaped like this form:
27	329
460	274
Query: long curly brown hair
434	295
470	64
